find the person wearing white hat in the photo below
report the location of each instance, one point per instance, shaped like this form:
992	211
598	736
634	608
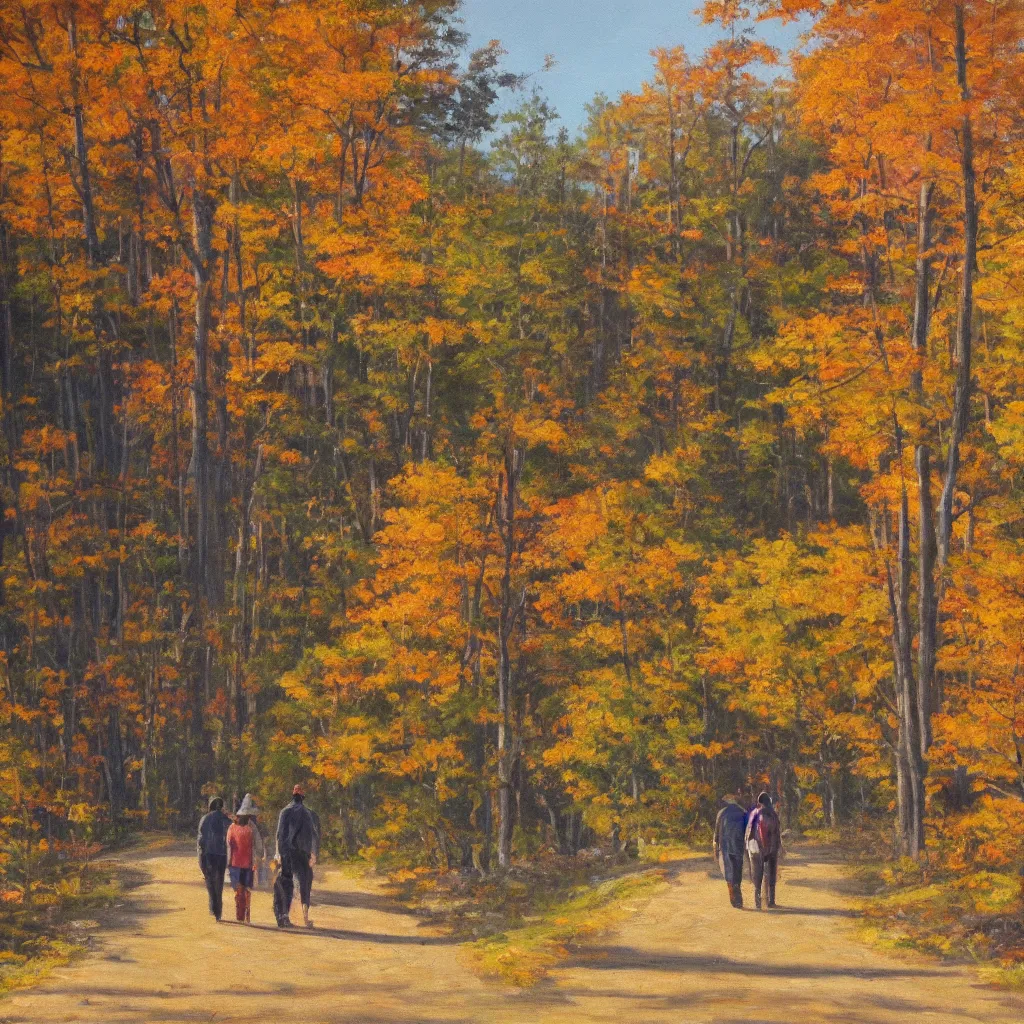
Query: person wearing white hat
242	853
259	846
248	806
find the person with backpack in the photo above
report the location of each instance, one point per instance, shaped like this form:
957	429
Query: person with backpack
728	846
764	844
298	846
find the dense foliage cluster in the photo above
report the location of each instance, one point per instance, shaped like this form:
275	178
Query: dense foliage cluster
516	490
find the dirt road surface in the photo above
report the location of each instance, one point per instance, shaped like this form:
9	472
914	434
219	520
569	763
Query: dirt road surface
687	956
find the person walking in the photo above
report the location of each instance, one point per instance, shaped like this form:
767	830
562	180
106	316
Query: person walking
242	857
763	840
259	844
728	846
298	846
211	845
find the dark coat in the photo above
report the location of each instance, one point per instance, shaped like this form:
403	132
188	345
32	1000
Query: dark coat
729	829
297	830
213	832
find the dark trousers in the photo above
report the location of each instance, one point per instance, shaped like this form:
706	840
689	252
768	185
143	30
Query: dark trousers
732	867
214	867
765	870
294	866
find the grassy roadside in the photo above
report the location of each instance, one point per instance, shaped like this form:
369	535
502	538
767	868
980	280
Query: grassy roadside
46	923
969	916
50	927
519	925
974	917
523	956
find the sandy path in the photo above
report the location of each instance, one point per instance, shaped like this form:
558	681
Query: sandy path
690	957
168	961
686	957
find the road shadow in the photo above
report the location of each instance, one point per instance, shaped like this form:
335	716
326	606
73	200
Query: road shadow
619	958
844	885
130	908
677	870
359	901
807	850
354	936
157	1006
186	883
797	1006
812	911
149	848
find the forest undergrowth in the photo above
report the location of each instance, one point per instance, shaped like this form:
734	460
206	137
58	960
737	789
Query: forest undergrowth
935	905
49	924
975	917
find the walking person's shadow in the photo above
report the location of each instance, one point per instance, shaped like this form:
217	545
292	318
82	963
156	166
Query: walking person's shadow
355	936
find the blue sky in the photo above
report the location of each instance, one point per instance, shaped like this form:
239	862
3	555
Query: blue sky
600	45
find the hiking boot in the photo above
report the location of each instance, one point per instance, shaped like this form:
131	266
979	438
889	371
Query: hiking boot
284	922
736	896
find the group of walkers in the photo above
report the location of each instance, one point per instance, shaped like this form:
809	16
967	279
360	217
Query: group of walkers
753	836
234	845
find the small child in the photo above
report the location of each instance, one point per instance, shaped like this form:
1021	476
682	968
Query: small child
241	839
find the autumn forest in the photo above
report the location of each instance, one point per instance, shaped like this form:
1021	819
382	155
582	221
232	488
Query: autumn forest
516	490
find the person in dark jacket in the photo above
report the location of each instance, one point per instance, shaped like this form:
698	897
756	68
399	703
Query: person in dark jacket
764	843
729	831
212	847
298	846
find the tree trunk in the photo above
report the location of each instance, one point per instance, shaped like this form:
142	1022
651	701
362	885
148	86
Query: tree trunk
202	216
927	609
92	242
508	484
911	792
962	388
926	604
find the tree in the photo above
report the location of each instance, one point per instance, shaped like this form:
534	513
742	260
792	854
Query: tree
899	125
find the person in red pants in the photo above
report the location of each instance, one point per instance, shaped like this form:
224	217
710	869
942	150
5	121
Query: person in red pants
241	840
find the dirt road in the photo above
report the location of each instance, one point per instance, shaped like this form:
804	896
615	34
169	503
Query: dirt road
686	957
